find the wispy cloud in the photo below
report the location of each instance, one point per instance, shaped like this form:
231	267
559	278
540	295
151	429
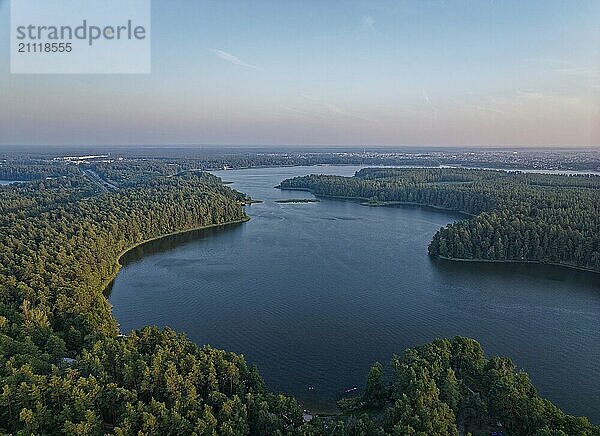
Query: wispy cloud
430	107
302	113
368	21
366	26
335	109
549	61
580	71
493	110
339	111
567	67
526	96
228	57
426	96
525	104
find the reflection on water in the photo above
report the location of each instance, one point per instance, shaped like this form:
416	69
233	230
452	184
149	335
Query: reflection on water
455	270
162	245
314	293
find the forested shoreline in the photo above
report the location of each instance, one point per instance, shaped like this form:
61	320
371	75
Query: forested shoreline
518	217
60	240
66	369
120	256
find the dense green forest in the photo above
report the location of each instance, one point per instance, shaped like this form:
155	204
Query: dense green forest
66	369
33	169
517	216
448	387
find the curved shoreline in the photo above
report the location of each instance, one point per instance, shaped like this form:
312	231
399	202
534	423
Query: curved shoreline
412	203
452	259
120	259
109	280
381	204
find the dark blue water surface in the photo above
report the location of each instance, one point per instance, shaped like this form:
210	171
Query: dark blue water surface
314	293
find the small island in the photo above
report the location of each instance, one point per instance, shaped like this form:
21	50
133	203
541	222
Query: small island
298	200
374	202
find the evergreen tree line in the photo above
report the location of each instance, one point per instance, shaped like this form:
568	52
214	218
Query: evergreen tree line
26	170
449	387
59	242
65	369
518	216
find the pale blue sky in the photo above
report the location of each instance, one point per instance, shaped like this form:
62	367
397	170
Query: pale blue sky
464	72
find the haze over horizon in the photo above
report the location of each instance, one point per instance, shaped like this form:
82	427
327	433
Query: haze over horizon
391	73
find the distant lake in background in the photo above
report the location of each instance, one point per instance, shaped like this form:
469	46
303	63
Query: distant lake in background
314	293
8	182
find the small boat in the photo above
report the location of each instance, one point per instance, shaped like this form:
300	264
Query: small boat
350	389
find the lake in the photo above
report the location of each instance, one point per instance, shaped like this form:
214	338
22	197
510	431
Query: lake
314	293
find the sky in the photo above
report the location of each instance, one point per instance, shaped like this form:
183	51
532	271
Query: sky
398	73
